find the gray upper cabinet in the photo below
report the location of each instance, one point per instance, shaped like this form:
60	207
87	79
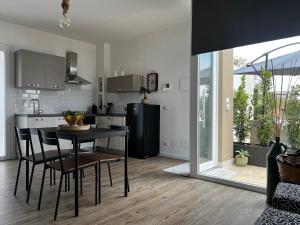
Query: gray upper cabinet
30	69
55	72
124	84
40	71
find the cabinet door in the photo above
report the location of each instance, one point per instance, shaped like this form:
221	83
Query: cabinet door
118	142
55	72
119	84
30	69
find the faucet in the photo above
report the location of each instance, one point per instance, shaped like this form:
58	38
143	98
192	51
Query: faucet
36	103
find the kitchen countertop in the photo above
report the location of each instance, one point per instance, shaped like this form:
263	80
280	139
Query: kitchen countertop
59	114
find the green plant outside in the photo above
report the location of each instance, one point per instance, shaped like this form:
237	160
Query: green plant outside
293	118
262	108
241	112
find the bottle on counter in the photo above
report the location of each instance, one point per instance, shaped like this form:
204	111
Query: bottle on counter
94	109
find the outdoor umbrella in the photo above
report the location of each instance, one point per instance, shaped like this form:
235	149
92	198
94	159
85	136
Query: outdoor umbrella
288	64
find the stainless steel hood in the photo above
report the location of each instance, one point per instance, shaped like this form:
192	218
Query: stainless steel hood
72	70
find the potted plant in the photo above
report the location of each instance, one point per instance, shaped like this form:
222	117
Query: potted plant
241	159
144	91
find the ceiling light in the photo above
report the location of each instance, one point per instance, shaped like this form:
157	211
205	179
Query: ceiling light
65	22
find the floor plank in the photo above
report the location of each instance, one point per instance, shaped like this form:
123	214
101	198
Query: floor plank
156	197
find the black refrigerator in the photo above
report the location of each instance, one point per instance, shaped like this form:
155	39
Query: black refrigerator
144	123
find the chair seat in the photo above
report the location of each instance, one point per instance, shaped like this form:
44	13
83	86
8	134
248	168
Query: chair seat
287	197
69	164
101	157
49	155
273	216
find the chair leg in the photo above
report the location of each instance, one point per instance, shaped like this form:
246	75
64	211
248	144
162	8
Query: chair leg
30	183
50	176
58	196
128	184
96	184
110	179
54	177
17	179
66	182
99	183
80	182
42	187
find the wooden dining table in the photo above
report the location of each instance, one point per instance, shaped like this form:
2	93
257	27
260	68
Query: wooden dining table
80	136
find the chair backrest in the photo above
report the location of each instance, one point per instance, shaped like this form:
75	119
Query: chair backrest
23	134
49	138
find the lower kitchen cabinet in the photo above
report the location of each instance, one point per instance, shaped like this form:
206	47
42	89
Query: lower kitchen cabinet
105	122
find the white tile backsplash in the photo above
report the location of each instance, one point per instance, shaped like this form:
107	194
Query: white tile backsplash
72	98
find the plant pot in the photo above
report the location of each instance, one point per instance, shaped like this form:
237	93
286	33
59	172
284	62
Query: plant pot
144	100
258	153
241	161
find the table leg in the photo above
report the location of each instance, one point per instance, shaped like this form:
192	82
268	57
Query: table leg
125	167
27	165
75	148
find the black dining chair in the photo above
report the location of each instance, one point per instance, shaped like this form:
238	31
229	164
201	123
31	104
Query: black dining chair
65	166
23	134
106	157
99	156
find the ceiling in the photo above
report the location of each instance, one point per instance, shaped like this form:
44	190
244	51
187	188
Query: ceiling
98	20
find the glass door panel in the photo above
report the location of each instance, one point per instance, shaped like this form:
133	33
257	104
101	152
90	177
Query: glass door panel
207	149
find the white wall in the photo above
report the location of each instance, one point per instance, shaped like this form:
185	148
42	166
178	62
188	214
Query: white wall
19	37
168	53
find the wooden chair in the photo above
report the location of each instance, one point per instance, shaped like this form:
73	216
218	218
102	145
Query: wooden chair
34	158
65	166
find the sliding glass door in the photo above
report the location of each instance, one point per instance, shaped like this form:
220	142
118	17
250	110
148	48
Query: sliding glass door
207	112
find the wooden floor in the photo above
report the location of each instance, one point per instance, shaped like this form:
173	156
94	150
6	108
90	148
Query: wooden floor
156	197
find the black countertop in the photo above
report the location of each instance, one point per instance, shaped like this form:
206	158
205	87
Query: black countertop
59	114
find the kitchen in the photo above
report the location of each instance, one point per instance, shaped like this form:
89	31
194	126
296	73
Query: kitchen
38	73
40	102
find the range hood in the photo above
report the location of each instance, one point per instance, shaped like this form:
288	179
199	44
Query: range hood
72	69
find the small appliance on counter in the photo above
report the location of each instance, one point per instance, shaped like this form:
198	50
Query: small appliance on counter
144	123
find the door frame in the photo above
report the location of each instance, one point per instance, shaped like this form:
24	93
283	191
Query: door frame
195	165
9	102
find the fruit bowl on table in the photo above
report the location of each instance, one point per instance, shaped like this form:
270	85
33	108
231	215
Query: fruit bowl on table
74	121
